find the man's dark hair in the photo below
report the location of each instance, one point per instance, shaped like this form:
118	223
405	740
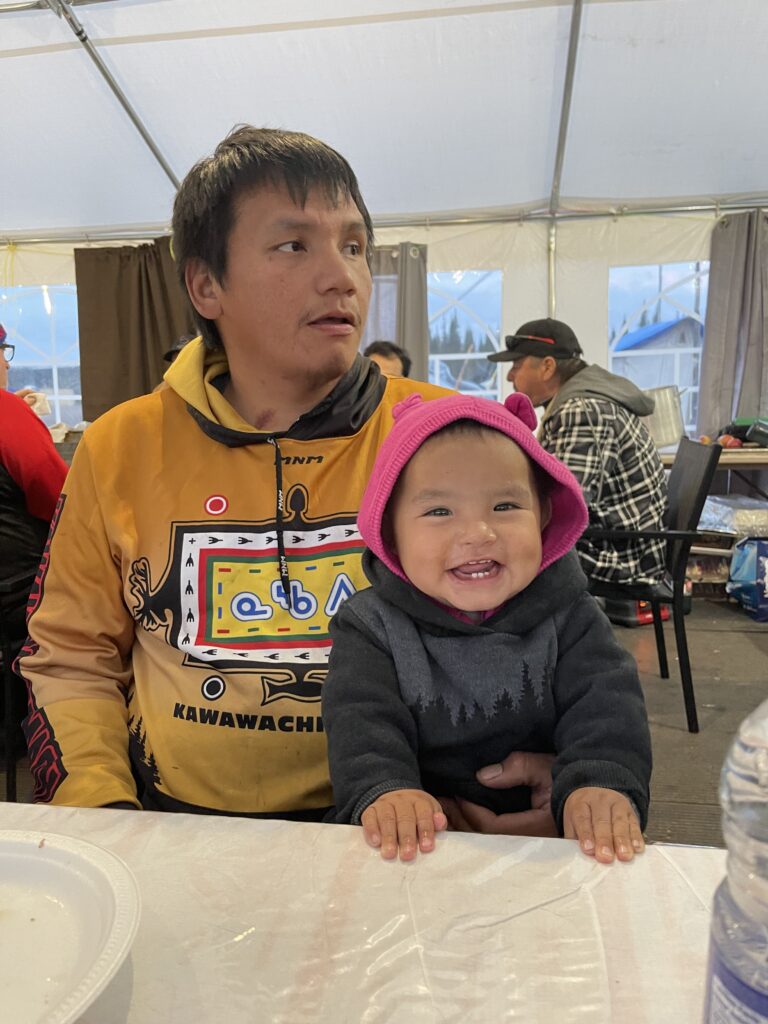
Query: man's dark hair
248	159
390	350
567	368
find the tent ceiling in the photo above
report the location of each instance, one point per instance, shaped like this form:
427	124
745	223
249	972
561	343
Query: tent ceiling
444	109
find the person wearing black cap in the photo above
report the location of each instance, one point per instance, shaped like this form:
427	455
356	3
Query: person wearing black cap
593	423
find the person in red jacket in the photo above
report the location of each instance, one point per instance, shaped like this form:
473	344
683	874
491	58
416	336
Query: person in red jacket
31	477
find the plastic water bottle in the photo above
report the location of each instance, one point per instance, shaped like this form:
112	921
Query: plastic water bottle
737	985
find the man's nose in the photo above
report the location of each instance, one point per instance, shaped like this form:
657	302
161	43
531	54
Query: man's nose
335	272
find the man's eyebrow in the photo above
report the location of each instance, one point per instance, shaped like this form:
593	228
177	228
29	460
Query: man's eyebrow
305	223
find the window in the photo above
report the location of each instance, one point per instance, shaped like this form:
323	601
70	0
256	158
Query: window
464	326
41	322
656	316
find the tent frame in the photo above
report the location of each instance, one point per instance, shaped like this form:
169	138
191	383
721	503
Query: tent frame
552	213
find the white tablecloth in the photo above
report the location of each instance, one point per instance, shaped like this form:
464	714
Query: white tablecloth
265	921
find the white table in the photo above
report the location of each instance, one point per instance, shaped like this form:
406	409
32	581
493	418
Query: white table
264	921
732	458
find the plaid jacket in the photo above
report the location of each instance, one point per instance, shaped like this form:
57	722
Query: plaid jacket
611	454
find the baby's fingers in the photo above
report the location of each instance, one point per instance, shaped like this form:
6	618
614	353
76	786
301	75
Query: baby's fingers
398	827
370	822
429	819
627	837
578	825
622	842
380	829
404	819
635	835
605	824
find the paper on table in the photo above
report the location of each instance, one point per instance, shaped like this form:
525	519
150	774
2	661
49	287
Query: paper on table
38	402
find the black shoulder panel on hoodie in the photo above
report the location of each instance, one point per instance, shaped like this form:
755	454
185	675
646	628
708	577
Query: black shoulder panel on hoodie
341	413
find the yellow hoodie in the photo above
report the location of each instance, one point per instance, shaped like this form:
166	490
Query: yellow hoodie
179	628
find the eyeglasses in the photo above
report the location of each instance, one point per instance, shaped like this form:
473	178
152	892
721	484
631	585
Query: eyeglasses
7	351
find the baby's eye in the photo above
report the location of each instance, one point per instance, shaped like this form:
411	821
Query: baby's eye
292	246
505	506
437	512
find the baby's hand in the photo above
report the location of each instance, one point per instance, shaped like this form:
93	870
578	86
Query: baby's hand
603	821
400	818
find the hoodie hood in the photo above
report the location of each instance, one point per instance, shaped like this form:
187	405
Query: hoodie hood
595	382
199	375
416	421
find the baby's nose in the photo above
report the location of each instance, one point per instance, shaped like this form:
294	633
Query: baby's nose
479	531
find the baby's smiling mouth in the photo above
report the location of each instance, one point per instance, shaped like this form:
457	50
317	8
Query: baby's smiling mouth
480	569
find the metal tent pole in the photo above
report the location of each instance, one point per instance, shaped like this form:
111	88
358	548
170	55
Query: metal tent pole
63	10
562	137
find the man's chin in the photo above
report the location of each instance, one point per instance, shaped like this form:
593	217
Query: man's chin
329	372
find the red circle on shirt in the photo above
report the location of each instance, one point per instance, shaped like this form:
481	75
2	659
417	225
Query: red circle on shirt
216	505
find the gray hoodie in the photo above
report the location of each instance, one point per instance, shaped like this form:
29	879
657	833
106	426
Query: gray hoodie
595	382
593	424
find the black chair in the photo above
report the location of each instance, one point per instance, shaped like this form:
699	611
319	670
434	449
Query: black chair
688	485
13	594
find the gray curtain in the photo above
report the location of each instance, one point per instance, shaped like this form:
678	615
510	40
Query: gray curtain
398	310
734	372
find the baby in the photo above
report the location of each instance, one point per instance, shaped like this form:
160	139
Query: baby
478	637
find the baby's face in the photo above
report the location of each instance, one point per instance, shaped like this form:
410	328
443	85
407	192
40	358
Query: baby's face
466	520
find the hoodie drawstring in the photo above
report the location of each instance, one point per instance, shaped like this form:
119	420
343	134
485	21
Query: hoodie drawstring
285	577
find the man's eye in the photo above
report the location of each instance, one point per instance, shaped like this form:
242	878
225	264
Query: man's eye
292	246
354	248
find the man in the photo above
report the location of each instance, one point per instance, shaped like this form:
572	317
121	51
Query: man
31	476
592	422
208	531
390	358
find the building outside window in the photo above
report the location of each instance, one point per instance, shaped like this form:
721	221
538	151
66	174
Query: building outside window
656	322
41	322
464	327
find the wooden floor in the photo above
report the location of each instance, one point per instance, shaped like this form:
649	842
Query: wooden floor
729	654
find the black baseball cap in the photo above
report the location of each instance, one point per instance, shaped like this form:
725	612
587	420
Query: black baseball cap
545	337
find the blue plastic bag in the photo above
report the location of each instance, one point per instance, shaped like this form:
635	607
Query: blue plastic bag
747	581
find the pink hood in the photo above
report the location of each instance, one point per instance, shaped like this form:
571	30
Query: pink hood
417	420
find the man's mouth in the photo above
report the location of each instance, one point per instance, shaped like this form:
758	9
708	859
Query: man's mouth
334	320
481	569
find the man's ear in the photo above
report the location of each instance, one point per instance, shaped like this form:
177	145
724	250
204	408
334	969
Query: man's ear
548	367
203	289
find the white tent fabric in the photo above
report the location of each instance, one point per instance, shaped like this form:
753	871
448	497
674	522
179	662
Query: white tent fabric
447	110
586	251
443	108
